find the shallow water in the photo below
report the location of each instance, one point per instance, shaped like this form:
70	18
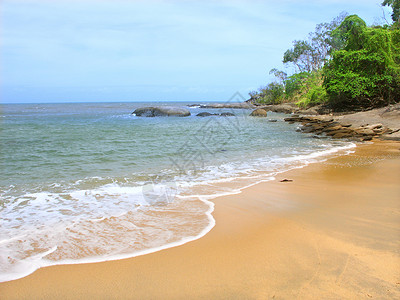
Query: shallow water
91	182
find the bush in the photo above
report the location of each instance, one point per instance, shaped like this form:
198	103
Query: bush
273	93
366	72
306	89
295	83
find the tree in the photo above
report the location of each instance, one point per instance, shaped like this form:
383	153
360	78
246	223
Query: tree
366	72
273	93
300	55
395	4
311	55
280	75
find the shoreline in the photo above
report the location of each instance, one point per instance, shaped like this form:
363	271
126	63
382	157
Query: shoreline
262	219
234	188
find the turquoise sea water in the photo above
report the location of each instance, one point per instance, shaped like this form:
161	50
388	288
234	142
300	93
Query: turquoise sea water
91	182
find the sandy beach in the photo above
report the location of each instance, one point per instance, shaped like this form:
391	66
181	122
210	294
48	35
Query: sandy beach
333	232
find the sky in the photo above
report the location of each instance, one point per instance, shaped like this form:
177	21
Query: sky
120	50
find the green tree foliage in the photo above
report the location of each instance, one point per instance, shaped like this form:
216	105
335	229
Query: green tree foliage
395	5
294	84
302	56
365	73
305	89
273	93
344	63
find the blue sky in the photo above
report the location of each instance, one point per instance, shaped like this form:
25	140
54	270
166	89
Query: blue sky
83	51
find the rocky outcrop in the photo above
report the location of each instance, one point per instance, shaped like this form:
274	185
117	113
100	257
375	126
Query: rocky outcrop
325	125
286	108
227	114
207	114
310	112
161	111
260	112
240	105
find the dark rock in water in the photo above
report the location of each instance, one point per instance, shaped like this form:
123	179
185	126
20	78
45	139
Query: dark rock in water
307	129
227	114
205	114
161	111
259	113
194	105
234	105
273	121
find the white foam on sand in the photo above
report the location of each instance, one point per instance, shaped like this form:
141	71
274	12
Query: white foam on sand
41	229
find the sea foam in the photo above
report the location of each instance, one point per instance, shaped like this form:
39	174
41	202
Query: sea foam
114	221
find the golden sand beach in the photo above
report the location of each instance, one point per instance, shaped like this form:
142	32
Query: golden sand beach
333	232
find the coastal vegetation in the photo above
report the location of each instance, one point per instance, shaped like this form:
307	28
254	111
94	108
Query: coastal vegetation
342	65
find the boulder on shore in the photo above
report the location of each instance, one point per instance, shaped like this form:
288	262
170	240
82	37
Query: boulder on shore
161	111
259	113
286	108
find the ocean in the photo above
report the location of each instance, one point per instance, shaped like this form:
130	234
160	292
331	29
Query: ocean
90	182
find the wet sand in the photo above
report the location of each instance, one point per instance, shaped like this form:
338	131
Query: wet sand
331	233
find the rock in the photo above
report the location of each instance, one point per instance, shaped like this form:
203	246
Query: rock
322	109
292	119
392	111
319	137
307	130
364	131
310	111
205	114
287	180
227	114
235	105
272	121
338	128
374	126
332	128
260	112
283	108
342	135
346	124
394	135
161	111
381	130
319	126
342	131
